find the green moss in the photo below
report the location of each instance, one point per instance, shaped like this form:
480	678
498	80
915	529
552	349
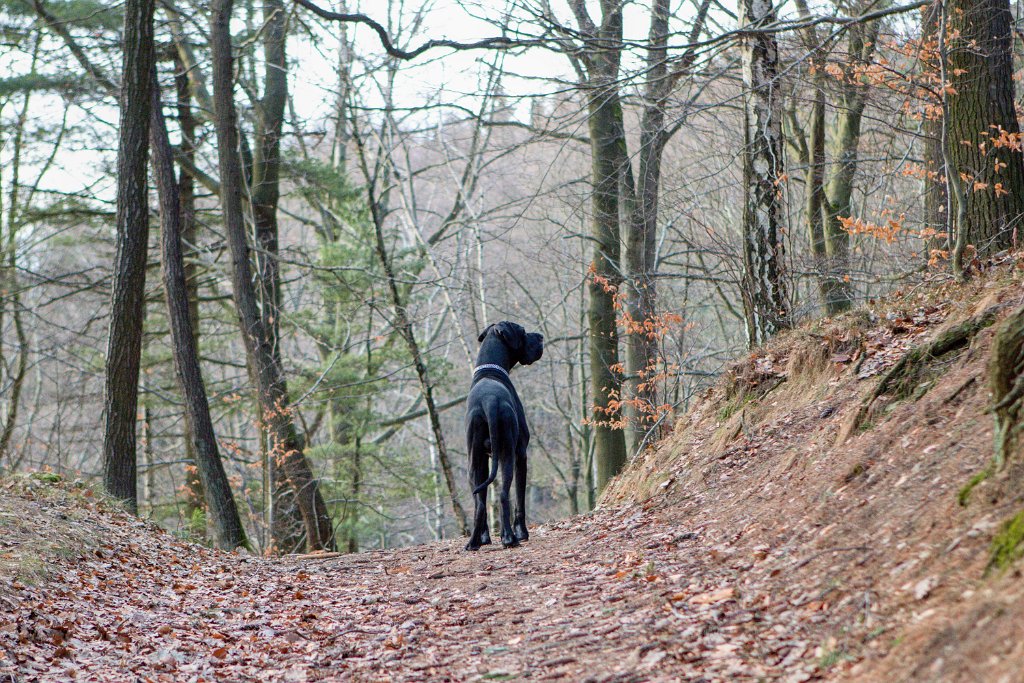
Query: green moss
728	410
855	471
963	496
741	401
832	657
1005	547
196	528
914	374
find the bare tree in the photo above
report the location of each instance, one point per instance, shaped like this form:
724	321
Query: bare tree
263	360
228	531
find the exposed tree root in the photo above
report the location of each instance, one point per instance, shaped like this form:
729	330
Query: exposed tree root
1006	380
904	379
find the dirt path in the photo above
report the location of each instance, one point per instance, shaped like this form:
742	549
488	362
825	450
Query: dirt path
619	596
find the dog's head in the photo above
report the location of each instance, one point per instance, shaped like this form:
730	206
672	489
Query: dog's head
524	347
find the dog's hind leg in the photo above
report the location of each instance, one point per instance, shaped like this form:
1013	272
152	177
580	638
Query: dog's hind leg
477	446
519	521
508	537
504	436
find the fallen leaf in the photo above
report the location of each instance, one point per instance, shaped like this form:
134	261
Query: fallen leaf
712	597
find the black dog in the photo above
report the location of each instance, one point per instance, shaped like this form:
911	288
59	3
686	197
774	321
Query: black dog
496	426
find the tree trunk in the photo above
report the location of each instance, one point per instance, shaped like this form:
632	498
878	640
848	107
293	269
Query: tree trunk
765	303
642	336
839	294
608	153
815	185
812	151
598	70
935	214
980	107
222	512
9	280
262	358
265	193
124	344
267	164
187	216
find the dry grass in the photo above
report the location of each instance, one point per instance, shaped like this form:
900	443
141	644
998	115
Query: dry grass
43	518
861	520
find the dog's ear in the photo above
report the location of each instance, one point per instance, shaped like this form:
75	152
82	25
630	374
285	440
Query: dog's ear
483	335
512	334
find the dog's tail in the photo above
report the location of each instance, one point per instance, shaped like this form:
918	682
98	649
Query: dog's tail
494	475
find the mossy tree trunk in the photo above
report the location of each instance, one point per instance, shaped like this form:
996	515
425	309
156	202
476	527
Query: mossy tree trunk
811	150
1006	380
852	101
598	70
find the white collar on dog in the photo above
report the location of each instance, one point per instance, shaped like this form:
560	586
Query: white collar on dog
491	366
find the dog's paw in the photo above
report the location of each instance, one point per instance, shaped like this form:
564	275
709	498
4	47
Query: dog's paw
510	542
522	534
485	538
473	545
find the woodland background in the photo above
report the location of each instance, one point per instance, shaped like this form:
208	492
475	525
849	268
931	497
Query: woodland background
654	186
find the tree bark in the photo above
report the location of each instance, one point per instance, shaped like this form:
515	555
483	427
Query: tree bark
644	335
223	514
812	150
935	200
187	216
609	162
765	303
265	368
265	194
838	293
815	188
9	275
641	296
266	173
1006	380
127	303
980	104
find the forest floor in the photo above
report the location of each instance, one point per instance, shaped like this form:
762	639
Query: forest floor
789	529
617	596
